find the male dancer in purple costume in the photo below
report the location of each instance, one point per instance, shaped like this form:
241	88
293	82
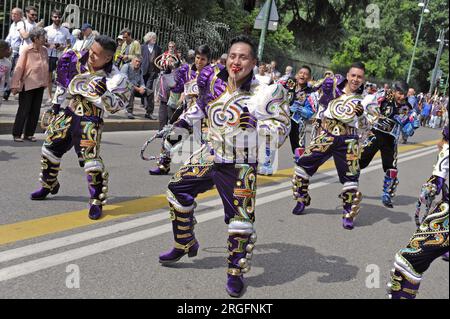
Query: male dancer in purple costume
430	240
186	83
238	109
303	107
338	137
384	137
90	84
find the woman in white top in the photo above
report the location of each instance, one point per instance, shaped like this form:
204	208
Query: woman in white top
261	76
28	25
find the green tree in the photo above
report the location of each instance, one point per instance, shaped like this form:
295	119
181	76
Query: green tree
318	25
279	44
387	50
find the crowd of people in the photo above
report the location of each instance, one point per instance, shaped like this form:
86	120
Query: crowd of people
432	109
132	58
239	106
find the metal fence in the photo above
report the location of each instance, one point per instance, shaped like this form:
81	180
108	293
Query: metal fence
111	16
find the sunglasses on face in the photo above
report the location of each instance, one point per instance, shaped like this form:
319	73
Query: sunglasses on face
56	17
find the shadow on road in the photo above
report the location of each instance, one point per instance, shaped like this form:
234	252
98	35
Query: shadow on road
83	199
11	143
6	156
283	263
111	143
400	200
368	215
372	214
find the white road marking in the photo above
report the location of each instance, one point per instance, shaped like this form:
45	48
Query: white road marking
142	221
85	251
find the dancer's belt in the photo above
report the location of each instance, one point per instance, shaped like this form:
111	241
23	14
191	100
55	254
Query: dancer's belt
386	126
79	106
337	128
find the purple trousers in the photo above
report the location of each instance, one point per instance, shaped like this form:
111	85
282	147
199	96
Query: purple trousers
69	129
236	184
343	148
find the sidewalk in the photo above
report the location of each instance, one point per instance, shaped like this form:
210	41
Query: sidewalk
113	122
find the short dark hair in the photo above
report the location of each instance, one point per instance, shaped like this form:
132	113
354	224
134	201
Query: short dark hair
204	50
29	8
126	30
306	67
4	44
107	43
358	65
57	12
247	40
400	86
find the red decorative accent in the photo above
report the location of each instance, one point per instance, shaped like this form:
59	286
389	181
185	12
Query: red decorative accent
299	151
392	173
236	69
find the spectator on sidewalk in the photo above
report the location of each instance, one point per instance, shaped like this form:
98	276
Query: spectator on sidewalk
412	99
70	28
262	75
190	57
436	113
75	36
119	42
150	51
29	80
276	77
444	122
14	41
30	24
86	39
58	39
426	111
5	66
170	57
439	114
134	73
223	59
287	73
274	73
130	48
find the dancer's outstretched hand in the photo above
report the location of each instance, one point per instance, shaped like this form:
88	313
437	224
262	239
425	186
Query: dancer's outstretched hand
359	109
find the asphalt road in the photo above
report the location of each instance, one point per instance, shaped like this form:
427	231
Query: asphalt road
45	244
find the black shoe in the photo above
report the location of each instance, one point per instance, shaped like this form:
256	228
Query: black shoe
130	116
6	95
149	116
81	162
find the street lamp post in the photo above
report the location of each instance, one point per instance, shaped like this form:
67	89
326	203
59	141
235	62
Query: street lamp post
425	9
441	41
446	85
262	38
